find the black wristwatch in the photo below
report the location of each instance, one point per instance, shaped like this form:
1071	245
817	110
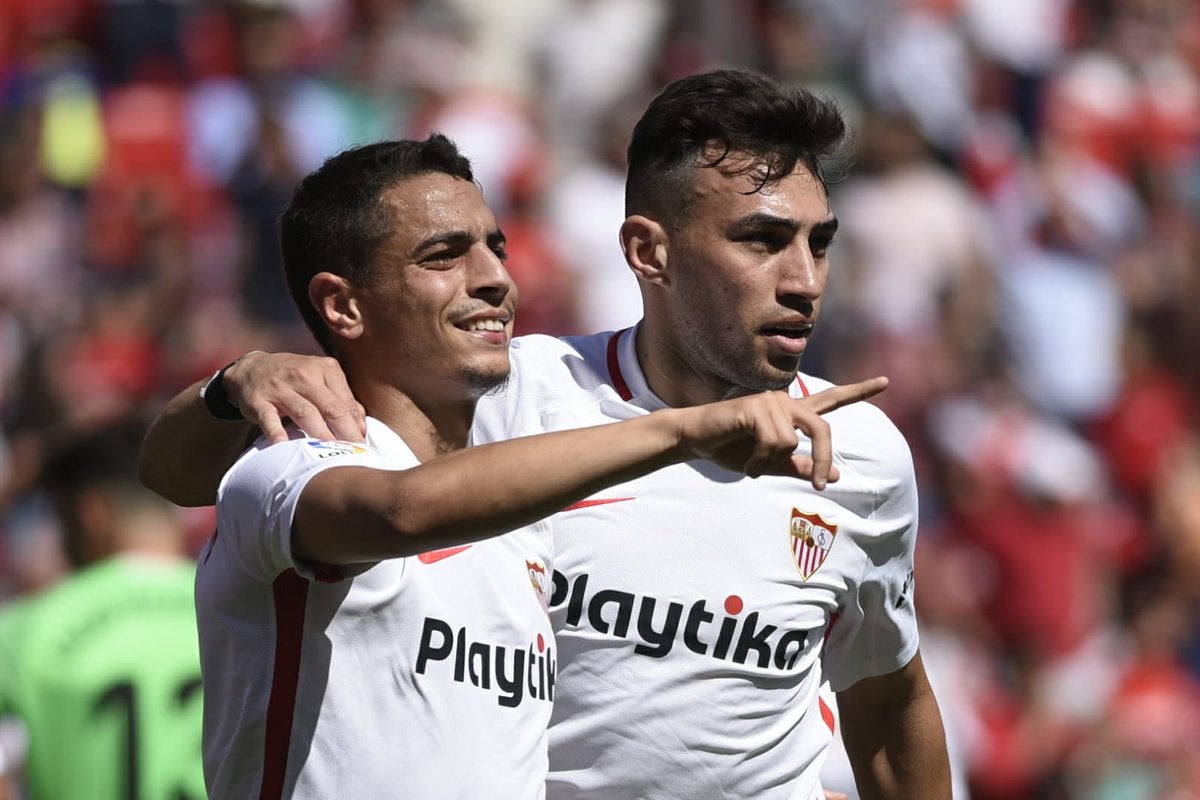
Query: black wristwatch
215	397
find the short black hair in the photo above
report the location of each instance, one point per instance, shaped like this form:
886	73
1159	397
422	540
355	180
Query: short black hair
79	461
700	120
336	221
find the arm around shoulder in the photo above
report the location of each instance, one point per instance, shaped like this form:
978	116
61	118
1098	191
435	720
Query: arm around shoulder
186	450
193	443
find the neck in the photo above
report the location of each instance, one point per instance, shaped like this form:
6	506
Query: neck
431	425
669	373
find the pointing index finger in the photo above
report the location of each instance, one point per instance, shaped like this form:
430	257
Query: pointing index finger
837	396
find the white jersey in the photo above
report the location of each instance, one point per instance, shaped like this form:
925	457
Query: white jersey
423	677
696	611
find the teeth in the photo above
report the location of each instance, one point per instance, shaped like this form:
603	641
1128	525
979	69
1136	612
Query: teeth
493	325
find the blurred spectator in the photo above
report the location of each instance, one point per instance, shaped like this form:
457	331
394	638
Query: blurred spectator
1020	253
103	669
590	55
913	256
586	207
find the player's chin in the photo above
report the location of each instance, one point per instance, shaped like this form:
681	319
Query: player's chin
777	371
486	376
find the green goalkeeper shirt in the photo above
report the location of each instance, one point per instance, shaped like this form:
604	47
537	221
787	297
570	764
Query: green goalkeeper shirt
104	671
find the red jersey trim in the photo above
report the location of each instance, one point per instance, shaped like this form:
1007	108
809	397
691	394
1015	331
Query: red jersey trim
614	368
803	388
597	501
291	598
434	556
827	715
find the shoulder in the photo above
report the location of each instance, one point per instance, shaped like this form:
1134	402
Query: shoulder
864	434
548	366
541	350
266	467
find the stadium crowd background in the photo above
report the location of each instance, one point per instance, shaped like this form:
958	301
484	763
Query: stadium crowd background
1019	252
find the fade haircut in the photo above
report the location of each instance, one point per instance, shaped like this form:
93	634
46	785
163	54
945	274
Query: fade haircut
702	120
337	221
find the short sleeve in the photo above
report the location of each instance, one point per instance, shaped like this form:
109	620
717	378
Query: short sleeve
257	500
875	631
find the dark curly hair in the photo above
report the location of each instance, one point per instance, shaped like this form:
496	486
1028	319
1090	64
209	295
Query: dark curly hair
701	120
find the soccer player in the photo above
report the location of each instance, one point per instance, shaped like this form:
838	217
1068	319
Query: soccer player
697	612
364	632
102	669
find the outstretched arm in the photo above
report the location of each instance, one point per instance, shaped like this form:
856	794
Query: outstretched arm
186	450
354	514
894	738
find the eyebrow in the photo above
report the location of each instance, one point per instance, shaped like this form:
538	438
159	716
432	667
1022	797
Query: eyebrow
761	220
828	227
457	239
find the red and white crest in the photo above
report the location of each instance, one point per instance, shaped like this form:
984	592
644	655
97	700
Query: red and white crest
811	538
539	579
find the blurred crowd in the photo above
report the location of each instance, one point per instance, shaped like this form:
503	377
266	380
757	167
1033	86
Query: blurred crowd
1019	251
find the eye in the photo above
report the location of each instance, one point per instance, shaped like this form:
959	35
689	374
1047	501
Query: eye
764	241
440	258
820	245
501	251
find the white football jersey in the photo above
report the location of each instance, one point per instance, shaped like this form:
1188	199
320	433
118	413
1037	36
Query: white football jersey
696	611
423	677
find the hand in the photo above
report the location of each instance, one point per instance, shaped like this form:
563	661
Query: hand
835	795
756	435
309	390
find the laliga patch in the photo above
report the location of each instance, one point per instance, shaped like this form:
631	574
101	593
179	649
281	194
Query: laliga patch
334	449
811	539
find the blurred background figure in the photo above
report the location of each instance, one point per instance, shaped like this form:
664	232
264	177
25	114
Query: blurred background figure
1020	252
102	670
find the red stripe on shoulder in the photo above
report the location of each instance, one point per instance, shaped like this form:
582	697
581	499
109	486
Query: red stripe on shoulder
803	388
291	600
614	367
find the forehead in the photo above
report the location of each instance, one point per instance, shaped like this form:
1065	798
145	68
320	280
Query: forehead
434	203
721	193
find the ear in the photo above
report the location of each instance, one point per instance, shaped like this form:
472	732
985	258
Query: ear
333	298
645	244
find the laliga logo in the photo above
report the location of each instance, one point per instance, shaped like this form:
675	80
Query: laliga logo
811	538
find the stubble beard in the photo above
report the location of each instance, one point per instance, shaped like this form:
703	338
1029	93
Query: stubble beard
481	382
743	369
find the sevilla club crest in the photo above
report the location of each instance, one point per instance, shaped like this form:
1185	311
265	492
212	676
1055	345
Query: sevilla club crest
811	537
539	579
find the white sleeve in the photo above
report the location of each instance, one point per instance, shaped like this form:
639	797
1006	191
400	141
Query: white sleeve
257	499
875	632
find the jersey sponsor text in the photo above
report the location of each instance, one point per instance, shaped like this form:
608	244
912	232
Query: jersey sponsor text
515	673
733	638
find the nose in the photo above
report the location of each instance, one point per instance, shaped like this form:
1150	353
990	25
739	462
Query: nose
802	275
487	277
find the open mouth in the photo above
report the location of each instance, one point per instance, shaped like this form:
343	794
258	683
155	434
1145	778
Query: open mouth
790	332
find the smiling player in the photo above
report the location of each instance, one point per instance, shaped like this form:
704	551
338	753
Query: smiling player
364	630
